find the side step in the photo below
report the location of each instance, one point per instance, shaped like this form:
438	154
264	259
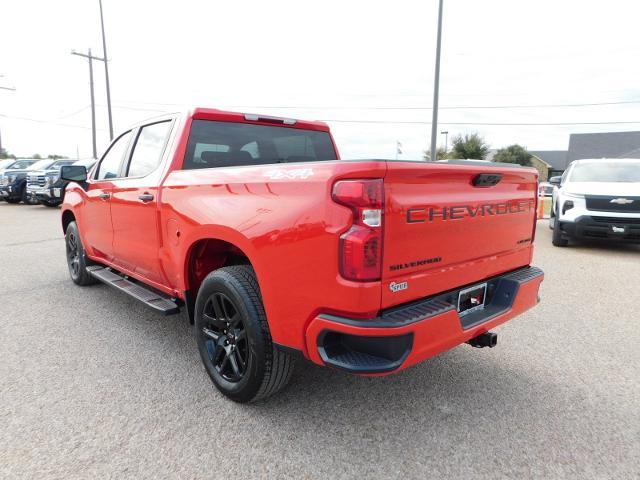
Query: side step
158	302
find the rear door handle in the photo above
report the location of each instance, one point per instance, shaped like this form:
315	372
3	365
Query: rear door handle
105	196
146	197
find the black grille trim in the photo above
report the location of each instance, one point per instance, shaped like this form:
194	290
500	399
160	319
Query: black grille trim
602	203
617	220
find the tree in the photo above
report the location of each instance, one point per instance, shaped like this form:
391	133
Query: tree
37	156
440	153
5	154
513	154
469	146
55	157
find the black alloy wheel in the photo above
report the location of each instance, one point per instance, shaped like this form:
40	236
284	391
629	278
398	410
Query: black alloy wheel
225	337
73	254
77	261
233	336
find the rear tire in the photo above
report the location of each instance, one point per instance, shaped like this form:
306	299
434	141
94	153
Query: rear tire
77	260
233	337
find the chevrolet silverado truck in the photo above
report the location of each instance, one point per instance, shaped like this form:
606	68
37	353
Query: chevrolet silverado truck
39	187
278	249
46	187
597	199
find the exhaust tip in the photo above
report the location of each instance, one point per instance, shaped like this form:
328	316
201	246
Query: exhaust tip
486	339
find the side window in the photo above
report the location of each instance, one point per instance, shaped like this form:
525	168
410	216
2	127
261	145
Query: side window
252	149
148	150
110	165
205	151
294	147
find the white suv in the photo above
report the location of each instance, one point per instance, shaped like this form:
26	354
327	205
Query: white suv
597	198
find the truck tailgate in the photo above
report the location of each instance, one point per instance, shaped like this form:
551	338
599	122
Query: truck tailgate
442	232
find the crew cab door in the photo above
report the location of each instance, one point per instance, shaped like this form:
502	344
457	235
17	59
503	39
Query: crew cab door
134	204
95	223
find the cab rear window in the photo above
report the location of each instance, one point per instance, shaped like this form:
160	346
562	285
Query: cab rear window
225	144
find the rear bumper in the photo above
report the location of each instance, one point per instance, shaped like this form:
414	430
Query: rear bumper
626	229
409	334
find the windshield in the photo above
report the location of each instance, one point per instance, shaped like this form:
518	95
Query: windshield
606	172
60	163
86	163
20	164
41	165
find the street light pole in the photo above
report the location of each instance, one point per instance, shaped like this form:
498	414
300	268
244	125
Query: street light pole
446	140
436	86
93	101
106	72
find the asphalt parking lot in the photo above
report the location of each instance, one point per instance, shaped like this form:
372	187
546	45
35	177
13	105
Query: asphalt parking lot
94	385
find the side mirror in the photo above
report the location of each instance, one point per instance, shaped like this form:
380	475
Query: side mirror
555	180
73	173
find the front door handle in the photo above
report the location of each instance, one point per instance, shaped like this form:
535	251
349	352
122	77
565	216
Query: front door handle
146	197
105	196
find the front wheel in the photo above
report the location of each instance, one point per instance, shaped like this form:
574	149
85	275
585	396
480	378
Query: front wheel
76	258
233	337
556	236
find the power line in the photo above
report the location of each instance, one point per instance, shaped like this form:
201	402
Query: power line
80	110
48	122
478	123
400	122
451	107
446	107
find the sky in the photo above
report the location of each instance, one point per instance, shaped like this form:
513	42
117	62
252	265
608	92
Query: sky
365	67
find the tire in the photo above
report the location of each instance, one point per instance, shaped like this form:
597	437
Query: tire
50	204
556	237
13	200
233	337
77	260
24	198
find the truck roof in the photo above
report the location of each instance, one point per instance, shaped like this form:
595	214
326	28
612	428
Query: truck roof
205	113
201	113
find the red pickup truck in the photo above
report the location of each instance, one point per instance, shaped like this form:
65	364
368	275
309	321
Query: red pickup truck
276	248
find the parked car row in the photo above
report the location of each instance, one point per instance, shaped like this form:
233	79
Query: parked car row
34	181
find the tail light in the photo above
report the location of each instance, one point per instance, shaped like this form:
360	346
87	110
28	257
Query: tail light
361	245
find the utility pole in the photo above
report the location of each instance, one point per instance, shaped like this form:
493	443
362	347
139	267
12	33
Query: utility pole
93	101
106	72
436	86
